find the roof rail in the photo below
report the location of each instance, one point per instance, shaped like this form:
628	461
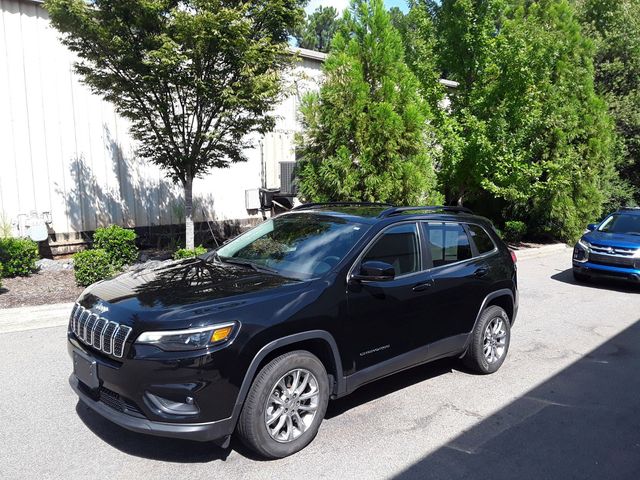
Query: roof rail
431	208
306	206
629	208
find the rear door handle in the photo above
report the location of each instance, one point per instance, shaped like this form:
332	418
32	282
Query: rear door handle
422	286
481	272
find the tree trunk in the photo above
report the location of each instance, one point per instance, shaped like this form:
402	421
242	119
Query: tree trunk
188	213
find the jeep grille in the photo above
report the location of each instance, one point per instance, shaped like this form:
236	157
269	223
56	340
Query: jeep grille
104	335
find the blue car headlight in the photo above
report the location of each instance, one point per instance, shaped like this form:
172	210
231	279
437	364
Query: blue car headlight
581	251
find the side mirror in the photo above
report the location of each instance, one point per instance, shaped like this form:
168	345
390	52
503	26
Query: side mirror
375	271
592	226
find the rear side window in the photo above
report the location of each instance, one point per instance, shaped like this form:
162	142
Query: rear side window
398	246
448	243
481	238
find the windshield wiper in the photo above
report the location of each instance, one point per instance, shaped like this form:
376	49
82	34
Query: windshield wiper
247	263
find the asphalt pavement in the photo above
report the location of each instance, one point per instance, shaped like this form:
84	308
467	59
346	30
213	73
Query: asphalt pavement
565	405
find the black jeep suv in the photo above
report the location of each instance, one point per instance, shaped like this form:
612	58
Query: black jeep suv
257	336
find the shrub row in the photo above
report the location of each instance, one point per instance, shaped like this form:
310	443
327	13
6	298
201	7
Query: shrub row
187	253
91	266
18	256
114	247
514	231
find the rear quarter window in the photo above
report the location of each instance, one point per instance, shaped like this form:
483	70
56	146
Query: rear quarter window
481	238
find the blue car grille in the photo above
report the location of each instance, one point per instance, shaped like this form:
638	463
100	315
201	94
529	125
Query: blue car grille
613	261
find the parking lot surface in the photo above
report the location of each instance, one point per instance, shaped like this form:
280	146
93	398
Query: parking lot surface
566	404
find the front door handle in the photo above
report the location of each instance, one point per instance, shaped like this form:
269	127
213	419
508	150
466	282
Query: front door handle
481	272
422	286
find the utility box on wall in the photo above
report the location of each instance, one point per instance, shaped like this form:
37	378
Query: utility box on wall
252	199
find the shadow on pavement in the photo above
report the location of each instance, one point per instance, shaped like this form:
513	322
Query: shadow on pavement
566	276
583	423
148	446
393	383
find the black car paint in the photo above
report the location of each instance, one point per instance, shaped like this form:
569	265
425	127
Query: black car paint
350	321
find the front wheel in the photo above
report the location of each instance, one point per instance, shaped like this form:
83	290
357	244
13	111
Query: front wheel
285	405
489	342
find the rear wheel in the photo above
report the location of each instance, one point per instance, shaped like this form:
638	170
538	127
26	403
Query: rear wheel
489	341
285	405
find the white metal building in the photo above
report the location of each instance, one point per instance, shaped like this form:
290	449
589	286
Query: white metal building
66	155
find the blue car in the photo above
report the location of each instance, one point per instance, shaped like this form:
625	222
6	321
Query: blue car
610	248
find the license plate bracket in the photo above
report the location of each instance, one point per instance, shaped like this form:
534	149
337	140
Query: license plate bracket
86	369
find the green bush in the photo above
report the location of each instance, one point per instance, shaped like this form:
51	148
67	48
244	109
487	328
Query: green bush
91	266
186	253
514	230
1	271
118	242
18	256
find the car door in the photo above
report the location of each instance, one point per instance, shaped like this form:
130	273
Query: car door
382	314
458	274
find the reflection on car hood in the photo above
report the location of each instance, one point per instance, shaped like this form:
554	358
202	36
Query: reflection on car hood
613	239
183	283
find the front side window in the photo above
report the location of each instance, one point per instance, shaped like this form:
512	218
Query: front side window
296	245
621	223
481	238
448	243
398	246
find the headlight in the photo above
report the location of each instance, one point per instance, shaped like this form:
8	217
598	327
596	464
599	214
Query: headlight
584	244
191	339
581	251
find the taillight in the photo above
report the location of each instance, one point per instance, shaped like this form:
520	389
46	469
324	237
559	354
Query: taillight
513	257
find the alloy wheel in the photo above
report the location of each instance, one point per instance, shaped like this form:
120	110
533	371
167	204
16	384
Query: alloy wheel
495	340
292	405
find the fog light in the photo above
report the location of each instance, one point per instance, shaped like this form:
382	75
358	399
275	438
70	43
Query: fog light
188	407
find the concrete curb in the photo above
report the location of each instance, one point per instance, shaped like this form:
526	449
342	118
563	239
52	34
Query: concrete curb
541	251
31	318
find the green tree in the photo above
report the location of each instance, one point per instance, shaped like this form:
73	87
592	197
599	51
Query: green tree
614	27
529	133
194	77
366	132
318	29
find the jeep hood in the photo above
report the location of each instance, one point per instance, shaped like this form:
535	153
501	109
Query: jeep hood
181	287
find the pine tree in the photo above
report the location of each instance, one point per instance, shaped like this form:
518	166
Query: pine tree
366	134
318	29
614	28
528	134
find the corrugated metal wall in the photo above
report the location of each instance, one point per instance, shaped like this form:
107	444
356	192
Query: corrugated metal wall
65	151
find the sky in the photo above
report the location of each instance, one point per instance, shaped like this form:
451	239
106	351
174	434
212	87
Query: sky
342	4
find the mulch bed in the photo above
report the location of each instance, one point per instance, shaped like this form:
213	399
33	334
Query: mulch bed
39	289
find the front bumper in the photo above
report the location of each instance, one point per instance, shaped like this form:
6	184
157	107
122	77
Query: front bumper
202	432
121	392
609	271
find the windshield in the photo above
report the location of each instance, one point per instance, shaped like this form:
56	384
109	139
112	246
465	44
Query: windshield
295	245
621	223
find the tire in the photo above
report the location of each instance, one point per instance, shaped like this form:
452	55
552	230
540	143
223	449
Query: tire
277	377
476	357
580	277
